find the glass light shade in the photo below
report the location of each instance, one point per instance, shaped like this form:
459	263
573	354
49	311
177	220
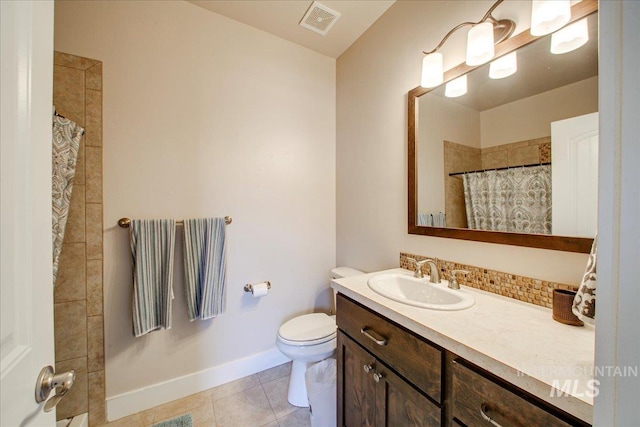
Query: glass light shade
432	70
504	66
548	16
570	37
457	87
480	46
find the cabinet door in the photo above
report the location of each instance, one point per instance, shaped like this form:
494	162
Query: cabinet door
379	397
356	388
399	404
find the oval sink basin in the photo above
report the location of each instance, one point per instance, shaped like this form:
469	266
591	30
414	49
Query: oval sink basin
420	292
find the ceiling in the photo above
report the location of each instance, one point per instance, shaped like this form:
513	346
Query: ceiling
281	18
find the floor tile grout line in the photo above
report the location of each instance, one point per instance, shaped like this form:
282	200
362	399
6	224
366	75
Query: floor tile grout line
273	412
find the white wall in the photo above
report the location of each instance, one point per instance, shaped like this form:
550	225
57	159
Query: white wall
531	118
204	116
440	119
373	78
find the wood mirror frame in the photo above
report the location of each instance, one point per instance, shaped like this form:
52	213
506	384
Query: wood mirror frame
542	241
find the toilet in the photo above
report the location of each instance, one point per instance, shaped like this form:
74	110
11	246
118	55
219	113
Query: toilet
308	339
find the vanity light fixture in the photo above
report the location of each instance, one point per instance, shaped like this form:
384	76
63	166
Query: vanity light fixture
570	37
548	16
481	39
457	87
504	66
432	70
480	44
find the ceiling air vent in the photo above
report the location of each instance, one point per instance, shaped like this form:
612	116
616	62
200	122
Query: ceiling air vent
319	18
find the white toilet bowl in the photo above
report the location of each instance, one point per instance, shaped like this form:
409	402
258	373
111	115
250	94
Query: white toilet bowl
306	340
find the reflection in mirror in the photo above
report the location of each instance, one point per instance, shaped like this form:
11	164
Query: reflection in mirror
515	155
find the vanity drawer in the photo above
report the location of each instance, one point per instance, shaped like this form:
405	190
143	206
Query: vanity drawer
474	393
417	361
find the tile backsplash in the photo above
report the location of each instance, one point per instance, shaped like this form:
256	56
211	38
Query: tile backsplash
527	289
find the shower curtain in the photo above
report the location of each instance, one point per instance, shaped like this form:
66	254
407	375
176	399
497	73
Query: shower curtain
66	141
514	199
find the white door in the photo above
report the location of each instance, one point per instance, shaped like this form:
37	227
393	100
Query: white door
574	173
25	209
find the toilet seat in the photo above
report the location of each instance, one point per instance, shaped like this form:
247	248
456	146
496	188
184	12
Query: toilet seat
308	329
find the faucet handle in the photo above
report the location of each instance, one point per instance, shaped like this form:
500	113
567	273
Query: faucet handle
453	279
418	270
418	263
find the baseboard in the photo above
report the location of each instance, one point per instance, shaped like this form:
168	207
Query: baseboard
148	397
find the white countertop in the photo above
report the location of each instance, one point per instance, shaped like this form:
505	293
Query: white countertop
517	341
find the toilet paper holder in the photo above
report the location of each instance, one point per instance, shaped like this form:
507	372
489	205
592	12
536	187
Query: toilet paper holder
249	287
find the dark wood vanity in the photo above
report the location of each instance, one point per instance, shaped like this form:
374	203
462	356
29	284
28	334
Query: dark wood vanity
390	376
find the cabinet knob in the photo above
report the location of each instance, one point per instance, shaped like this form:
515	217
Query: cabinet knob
377	377
367	368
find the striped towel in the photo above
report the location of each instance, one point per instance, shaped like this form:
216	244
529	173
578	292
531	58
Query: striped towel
204	267
435	219
152	245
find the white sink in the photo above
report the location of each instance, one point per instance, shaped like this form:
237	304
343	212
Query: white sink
405	288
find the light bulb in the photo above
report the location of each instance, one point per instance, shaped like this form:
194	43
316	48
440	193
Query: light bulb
570	37
432	70
457	87
504	66
548	16
480	46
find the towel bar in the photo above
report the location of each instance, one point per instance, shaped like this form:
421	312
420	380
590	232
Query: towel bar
126	222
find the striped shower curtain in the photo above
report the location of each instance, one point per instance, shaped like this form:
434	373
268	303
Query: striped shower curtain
66	141
513	200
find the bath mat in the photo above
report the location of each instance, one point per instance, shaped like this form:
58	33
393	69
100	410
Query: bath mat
181	421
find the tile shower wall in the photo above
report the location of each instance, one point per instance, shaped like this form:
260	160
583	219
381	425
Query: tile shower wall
518	153
527	289
458	158
79	342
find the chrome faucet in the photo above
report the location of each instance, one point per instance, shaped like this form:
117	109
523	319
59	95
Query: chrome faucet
434	273
418	269
453	280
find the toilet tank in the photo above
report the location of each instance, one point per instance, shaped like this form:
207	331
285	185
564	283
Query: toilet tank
339	273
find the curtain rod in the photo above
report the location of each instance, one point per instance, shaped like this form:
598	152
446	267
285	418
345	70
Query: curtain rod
503	168
126	222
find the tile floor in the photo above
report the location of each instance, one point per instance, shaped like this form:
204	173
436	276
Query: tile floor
259	400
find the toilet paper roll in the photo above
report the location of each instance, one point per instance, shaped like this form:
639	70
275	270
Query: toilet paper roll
259	289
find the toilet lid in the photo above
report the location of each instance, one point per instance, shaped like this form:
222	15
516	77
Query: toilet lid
309	327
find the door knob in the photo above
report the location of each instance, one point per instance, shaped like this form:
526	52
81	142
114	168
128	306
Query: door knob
367	368
48	380
377	377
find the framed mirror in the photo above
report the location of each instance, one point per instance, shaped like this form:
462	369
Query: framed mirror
513	160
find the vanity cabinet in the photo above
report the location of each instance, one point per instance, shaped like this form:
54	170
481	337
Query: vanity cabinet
389	376
370	393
